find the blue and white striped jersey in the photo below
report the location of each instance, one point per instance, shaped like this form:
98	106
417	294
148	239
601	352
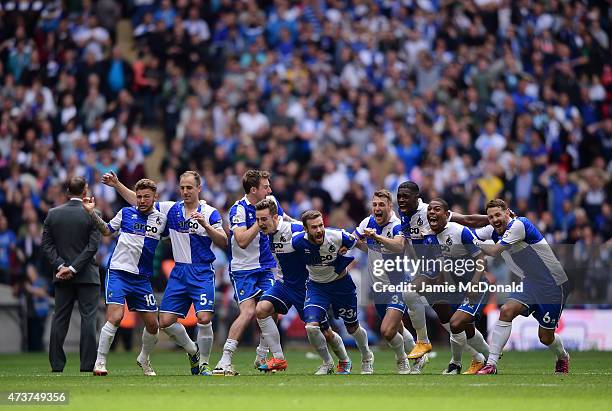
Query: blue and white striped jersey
415	226
291	265
190	242
376	251
257	254
323	262
139	235
527	252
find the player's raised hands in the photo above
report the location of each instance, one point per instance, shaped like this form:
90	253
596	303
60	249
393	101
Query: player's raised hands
89	204
110	179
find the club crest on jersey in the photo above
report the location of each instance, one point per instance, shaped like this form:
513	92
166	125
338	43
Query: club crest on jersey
283	239
449	241
332	248
420	221
158	220
236	219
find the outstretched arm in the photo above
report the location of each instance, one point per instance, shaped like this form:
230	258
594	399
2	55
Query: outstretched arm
395	244
491	249
470	220
361	244
288	218
111	180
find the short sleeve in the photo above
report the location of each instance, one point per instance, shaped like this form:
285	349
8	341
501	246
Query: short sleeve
360	230
165	206
166	231
405	227
296	228
237	217
215	219
469	240
484	233
397	230
115	223
342	262
281	212
514	233
348	240
297	242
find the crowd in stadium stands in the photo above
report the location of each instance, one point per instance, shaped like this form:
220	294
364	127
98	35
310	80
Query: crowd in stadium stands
472	100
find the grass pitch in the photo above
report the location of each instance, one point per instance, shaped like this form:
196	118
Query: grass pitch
526	382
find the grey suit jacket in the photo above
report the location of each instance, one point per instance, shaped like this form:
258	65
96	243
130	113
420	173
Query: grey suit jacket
70	238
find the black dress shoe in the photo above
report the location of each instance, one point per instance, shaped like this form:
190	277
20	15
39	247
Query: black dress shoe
57	370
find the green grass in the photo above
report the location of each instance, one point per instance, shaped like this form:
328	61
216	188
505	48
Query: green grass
525	382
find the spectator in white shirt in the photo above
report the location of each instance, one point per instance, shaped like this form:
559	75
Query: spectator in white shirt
490	139
335	181
252	122
195	26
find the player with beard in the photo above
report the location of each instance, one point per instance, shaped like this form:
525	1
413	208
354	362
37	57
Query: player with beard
545	283
290	290
328	286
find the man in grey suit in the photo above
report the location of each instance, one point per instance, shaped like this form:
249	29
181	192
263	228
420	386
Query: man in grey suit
70	242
